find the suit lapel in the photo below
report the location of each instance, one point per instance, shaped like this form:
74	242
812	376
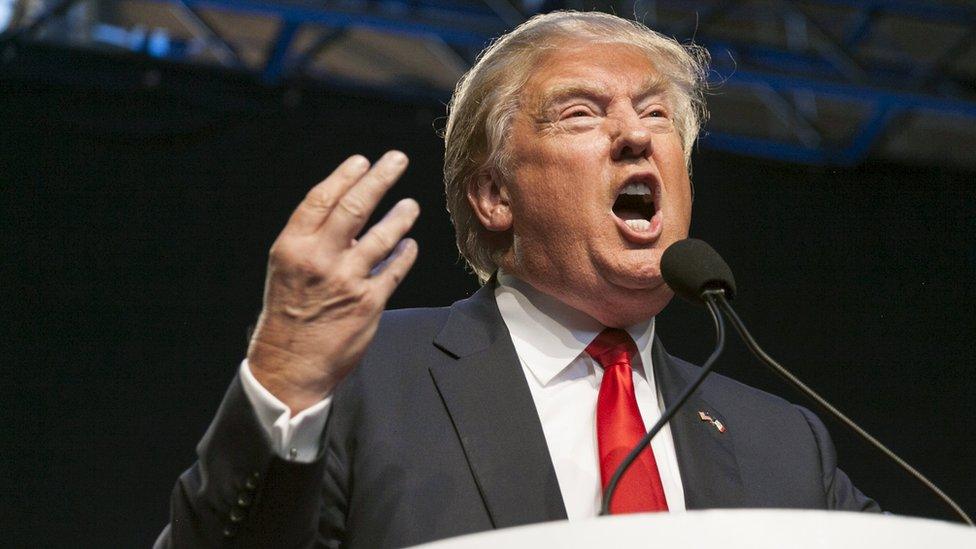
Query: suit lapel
706	456
488	399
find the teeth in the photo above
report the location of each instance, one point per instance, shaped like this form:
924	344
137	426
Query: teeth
639	225
639	189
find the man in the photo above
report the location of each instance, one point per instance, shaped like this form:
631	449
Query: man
566	168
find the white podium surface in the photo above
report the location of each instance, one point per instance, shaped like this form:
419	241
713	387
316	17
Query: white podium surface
729	529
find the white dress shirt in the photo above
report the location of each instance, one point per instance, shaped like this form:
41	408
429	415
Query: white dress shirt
550	339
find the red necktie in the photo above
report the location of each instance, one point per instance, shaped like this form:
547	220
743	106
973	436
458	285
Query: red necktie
619	426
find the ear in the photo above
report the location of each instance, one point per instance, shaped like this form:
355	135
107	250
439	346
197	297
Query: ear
490	201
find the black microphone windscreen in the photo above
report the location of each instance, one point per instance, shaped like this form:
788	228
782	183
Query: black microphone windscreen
691	266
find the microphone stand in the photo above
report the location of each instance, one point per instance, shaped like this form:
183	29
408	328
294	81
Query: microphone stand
710	297
810	393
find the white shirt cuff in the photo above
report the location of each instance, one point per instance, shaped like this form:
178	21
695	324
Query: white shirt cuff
293	438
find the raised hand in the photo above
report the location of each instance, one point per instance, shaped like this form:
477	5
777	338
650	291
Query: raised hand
325	290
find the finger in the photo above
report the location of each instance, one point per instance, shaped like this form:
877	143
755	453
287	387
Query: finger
321	199
380	240
391	272
355	207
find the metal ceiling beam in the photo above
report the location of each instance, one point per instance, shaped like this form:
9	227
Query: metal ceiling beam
816	63
831	67
462	29
275	65
415	18
226	52
52	11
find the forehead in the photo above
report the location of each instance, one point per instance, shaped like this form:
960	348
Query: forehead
611	67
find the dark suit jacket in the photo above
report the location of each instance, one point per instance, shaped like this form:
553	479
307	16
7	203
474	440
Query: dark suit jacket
435	434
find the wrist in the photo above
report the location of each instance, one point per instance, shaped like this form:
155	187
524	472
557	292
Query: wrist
291	378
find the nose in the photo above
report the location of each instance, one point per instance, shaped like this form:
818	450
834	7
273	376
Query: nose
630	138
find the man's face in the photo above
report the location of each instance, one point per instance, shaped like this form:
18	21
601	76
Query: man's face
598	186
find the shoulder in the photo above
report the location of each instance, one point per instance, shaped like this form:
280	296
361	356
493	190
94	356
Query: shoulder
404	332
725	388
423	319
470	321
760	410
404	344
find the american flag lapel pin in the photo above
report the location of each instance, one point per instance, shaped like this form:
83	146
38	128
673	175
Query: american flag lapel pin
705	416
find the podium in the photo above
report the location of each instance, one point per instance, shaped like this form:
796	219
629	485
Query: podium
728	529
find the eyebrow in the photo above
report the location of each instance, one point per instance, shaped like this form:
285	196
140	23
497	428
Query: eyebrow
653	85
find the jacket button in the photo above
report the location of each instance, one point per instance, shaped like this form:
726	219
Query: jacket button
236	515
251	483
244	499
229	532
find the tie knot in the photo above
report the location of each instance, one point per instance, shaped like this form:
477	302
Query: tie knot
612	347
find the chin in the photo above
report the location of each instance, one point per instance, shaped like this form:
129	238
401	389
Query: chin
635	308
632	289
631	300
638	272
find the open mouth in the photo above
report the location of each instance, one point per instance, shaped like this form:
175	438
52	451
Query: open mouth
635	206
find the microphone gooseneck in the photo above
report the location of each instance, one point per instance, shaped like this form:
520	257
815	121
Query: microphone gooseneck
812	395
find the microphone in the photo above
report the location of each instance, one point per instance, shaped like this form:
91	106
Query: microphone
698	277
695	271
691	266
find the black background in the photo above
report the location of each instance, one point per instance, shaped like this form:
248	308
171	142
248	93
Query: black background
136	221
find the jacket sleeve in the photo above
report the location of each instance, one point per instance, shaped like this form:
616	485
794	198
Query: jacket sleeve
841	494
239	493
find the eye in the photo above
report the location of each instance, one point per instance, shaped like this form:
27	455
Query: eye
577	112
657	113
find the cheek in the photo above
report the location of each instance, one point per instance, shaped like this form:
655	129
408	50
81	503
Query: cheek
556	177
671	161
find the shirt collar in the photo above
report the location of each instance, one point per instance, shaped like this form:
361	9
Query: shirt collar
548	334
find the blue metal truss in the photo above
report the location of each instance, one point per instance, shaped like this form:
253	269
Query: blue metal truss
831	68
466	27
890	91
459	24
